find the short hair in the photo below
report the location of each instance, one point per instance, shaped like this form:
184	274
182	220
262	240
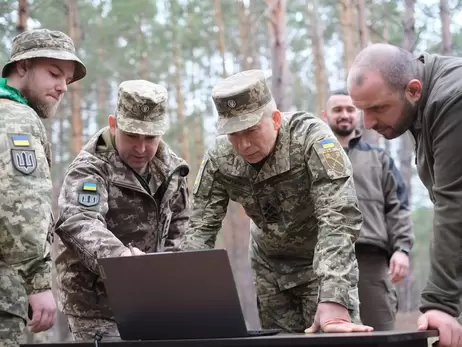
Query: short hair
341	91
397	67
399	70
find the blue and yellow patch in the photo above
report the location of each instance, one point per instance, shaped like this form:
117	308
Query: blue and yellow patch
89	187
20	140
327	143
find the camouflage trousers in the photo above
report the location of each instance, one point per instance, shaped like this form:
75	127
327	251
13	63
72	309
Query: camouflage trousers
11	329
84	329
292	310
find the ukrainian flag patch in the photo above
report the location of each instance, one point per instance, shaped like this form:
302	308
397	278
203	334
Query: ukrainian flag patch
89	187
20	140
327	143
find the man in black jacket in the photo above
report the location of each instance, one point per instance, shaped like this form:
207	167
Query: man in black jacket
399	92
386	236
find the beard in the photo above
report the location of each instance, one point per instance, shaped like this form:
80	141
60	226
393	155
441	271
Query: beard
408	115
342	131
45	109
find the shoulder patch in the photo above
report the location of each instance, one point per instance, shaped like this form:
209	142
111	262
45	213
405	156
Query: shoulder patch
330	154
24	160
89	186
89	195
198	179
20	140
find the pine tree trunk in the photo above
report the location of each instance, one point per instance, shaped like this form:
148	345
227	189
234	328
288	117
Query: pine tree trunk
317	46
75	88
221	36
22	16
446	38
280	70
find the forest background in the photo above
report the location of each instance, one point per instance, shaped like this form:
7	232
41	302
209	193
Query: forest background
305	46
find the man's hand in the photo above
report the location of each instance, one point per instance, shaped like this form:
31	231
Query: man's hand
450	331
399	266
130	252
43	311
334	318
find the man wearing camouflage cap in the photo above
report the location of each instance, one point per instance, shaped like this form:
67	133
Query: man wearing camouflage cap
125	187
295	183
33	82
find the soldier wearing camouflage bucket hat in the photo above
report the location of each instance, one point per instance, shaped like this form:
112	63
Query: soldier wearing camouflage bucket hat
294	181
34	80
125	187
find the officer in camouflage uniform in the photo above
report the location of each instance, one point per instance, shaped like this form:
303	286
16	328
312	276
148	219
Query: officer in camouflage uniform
33	83
125	186
295	183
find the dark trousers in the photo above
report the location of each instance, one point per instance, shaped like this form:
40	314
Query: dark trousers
377	295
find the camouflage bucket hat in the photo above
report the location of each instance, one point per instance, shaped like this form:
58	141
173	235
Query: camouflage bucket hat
142	108
44	43
240	100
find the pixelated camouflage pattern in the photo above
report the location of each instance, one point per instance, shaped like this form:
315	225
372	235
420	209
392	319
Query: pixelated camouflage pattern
239	100
126	213
25	261
11	330
84	329
44	43
26	219
142	108
305	208
292	310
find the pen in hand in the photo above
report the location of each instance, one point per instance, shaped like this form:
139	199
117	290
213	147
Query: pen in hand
131	249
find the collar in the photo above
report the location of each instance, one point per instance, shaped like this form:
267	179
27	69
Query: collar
11	93
355	139
428	64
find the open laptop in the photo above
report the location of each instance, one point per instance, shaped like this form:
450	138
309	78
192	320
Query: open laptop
179	295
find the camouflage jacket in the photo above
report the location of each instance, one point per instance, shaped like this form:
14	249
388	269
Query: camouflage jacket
103	207
26	216
302	202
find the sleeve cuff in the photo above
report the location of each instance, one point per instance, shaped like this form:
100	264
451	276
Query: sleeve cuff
451	308
40	282
330	292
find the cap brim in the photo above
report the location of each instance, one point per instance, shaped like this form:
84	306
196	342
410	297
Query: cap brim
141	127
80	69
226	126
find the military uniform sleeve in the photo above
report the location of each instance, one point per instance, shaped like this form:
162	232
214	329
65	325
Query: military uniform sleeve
81	224
397	211
209	206
443	288
337	212
26	187
180	215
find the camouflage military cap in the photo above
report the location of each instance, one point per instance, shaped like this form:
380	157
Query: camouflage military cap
142	108
44	43
240	100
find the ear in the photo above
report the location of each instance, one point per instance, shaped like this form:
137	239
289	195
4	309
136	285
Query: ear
22	67
413	91
112	124
324	115
277	119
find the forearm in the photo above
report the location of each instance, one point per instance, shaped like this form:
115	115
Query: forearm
400	227
40	280
89	239
443	288
202	231
334	259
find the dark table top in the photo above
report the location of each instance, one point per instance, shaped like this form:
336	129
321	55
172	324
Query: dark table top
382	338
